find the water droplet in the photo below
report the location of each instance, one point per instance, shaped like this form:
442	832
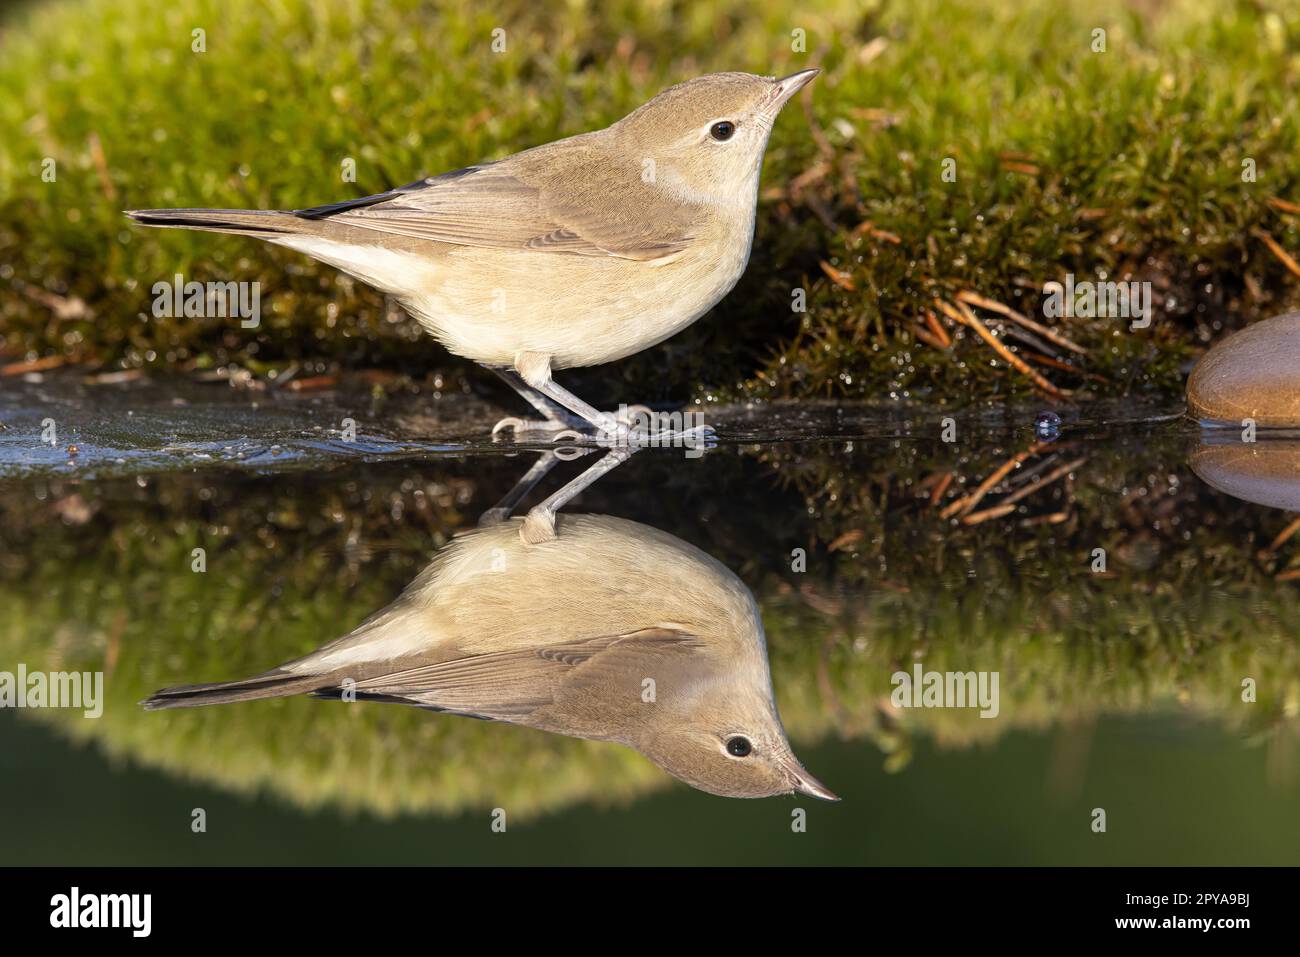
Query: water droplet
1047	426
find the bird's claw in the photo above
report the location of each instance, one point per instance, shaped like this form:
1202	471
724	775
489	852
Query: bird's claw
557	429
511	422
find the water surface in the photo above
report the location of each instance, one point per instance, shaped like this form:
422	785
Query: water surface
861	533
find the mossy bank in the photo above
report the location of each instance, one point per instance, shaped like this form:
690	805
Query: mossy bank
949	148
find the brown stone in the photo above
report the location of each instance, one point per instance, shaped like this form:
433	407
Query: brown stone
1264	472
1252	374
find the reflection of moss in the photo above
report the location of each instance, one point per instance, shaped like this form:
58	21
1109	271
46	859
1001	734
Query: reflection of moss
293	561
1120	164
1058	659
1135	495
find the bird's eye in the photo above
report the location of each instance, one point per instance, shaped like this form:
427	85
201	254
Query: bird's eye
722	131
739	747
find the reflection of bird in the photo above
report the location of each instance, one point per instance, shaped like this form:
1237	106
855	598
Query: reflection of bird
574	253
610	630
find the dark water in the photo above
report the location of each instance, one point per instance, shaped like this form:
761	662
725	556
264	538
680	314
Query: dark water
1155	680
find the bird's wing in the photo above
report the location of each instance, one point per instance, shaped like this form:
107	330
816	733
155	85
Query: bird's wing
511	685
526	206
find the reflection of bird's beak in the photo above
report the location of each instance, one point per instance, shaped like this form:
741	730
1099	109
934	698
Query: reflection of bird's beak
787	87
805	783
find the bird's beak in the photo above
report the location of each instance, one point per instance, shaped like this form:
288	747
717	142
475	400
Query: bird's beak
786	87
805	783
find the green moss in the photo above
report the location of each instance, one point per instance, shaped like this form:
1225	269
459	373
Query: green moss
1126	164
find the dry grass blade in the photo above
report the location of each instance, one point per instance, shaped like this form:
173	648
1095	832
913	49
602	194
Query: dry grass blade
843	280
1282	536
992	305
962	314
101	166
924	336
809	177
1051	363
1048	479
1055	518
34	365
937	329
850	537
1276	249
940	489
814	127
997	511
966	503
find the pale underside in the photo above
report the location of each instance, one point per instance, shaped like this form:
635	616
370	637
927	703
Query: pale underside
491	305
600	576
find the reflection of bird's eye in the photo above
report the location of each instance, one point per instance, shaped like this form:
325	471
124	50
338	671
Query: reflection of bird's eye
738	747
722	131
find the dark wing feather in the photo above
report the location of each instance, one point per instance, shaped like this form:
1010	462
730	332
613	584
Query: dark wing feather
347	205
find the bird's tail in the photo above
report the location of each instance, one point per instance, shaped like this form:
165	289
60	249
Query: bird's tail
273	684
263	223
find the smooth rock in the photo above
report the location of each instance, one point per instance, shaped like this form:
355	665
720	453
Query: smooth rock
1266	472
1252	374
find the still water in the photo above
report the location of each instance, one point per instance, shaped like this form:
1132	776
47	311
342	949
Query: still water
1123	583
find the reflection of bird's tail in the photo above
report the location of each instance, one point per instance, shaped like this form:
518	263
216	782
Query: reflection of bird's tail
273	684
252	222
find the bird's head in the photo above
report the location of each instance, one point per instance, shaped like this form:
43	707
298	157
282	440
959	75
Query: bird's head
729	741
704	139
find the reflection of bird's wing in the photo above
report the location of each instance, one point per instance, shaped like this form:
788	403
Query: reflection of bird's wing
549	204
583	681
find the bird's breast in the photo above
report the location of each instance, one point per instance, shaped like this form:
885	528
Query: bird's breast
490	305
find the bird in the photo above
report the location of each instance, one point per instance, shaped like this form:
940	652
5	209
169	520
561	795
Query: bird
572	254
611	630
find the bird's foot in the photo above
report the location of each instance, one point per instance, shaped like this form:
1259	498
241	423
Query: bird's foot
538	526
493	516
697	437
615	428
518	426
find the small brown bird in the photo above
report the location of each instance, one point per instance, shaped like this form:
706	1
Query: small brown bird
610	630
576	253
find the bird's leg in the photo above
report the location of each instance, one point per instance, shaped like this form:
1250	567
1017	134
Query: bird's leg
558	418
539	470
539	524
535	369
555	418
